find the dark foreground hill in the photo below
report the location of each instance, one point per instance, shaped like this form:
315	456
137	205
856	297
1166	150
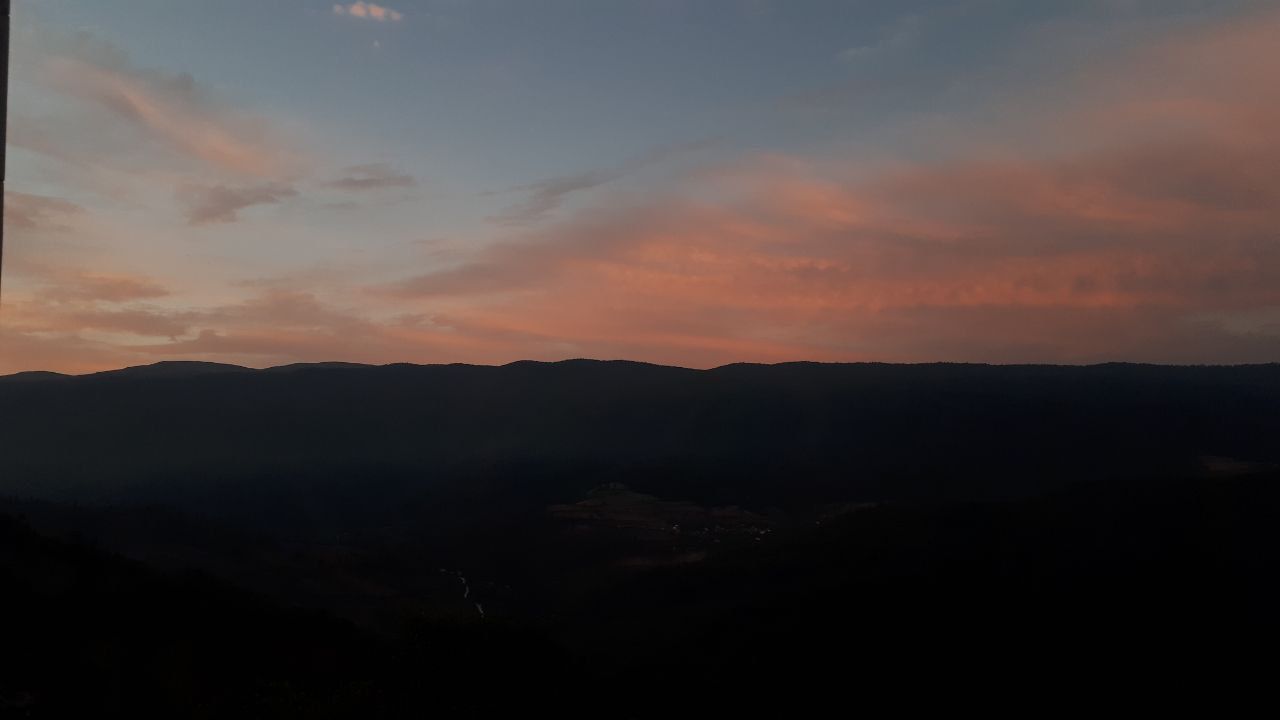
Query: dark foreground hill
1133	596
619	539
89	634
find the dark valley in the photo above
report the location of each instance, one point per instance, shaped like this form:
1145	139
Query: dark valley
331	539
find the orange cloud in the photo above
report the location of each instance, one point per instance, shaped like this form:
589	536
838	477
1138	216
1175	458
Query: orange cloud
1149	234
1123	248
171	117
29	212
118	102
61	352
368	11
99	287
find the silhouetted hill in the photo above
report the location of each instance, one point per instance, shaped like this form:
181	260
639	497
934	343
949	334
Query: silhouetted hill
623	539
32	376
320	365
171	369
761	436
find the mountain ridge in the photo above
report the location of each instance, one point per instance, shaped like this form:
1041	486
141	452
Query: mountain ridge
190	368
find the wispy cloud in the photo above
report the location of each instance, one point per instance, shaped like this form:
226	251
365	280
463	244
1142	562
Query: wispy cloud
1150	234
62	285
368	11
545	196
374	176
29	212
898	36
1142	227
172	110
100	287
107	126
221	203
57	317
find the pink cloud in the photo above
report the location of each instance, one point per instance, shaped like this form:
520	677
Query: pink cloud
1149	234
1119	249
30	212
368	11
170	112
101	287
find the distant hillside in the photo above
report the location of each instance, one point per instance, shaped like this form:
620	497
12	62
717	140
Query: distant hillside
631	540
752	435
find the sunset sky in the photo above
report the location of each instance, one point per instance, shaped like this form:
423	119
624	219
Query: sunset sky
689	182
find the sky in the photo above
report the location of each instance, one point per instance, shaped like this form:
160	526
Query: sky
687	182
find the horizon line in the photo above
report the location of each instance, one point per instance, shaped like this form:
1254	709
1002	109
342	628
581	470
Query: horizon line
347	365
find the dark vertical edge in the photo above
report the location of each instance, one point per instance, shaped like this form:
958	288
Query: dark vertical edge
4	121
